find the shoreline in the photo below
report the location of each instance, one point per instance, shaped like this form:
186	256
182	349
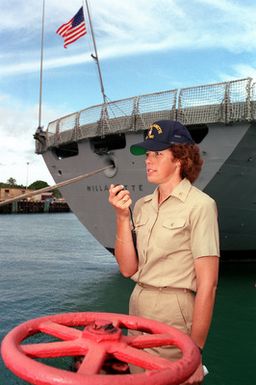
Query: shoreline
30	207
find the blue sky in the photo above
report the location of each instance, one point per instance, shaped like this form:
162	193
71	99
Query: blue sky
144	46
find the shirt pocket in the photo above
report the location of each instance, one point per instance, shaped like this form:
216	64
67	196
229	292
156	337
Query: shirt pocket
141	229
140	223
173	224
173	233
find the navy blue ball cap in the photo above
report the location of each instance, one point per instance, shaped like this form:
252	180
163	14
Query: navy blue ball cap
162	135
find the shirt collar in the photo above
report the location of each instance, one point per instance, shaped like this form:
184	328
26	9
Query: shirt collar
180	192
182	189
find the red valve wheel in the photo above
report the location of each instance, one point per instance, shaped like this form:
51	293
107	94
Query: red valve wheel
100	339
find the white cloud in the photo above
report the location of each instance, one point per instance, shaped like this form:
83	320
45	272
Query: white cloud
245	70
240	71
125	28
33	66
17	128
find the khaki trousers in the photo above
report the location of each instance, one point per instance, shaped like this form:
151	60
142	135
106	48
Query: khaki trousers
168	305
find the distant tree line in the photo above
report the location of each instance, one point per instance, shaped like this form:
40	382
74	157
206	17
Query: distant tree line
37	185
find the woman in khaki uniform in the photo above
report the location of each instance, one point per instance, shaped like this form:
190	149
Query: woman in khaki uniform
176	263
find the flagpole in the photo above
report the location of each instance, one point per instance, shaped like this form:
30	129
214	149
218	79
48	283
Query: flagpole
41	70
96	57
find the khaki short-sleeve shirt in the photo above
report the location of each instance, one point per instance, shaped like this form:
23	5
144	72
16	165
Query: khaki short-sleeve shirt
171	235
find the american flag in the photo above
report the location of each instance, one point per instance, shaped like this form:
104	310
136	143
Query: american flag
73	29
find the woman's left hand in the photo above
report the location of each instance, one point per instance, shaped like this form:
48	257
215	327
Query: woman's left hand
196	378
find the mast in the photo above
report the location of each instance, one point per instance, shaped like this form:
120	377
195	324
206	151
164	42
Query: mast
41	70
96	57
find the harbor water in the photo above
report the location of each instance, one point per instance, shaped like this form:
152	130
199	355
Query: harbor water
50	264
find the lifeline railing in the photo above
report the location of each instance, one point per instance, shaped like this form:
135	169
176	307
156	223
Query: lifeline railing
224	102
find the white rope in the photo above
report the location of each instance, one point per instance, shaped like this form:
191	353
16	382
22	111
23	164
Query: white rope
54	187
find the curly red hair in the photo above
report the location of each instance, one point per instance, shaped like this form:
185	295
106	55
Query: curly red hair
190	158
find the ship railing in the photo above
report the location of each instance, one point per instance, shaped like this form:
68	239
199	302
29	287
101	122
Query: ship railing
225	102
133	113
253	100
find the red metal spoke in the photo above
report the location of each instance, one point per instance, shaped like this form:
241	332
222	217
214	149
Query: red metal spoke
143	341
140	358
93	360
54	349
60	331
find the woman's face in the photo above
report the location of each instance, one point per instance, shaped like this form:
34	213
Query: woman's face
161	166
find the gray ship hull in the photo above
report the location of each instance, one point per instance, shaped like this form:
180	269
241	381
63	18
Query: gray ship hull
228	175
229	172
